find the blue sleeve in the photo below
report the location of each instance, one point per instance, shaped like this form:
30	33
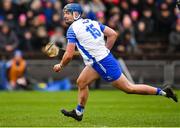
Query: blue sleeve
102	26
70	35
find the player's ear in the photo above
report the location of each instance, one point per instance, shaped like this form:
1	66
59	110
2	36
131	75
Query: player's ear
76	15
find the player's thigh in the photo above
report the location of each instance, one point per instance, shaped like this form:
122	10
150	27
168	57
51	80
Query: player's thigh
122	83
87	76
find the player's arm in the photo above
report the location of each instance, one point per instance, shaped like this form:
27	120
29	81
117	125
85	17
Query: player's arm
67	57
70	50
111	37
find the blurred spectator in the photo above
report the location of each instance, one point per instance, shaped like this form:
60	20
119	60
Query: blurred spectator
97	6
124	7
30	16
8	10
48	11
165	20
114	22
24	34
58	7
71	1
93	9
40	39
56	21
135	17
88	11
36	7
171	4
128	36
85	5
58	36
1	21
174	39
114	10
151	5
58	11
8	39
141	32
135	5
148	19
16	68
21	2
101	17
21	5
176	13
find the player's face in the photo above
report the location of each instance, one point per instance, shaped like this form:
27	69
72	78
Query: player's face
68	17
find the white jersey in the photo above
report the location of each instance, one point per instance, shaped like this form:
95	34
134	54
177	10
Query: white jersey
89	38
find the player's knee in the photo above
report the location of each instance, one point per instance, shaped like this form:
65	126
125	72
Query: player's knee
81	83
130	90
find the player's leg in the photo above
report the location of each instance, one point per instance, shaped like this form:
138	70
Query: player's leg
125	85
87	76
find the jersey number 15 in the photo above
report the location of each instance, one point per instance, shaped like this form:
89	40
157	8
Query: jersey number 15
94	31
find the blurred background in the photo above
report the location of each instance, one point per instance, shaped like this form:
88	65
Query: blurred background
148	43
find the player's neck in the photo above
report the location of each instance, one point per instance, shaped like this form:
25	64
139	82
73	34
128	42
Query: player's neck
78	19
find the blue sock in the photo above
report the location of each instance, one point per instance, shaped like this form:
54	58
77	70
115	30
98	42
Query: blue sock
160	92
80	108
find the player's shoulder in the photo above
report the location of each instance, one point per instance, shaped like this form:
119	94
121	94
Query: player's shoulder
74	25
77	22
89	21
83	21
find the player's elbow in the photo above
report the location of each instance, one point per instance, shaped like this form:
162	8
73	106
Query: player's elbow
115	34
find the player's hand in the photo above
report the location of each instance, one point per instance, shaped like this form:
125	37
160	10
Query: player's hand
57	68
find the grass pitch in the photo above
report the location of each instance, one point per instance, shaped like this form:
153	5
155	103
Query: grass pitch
104	108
